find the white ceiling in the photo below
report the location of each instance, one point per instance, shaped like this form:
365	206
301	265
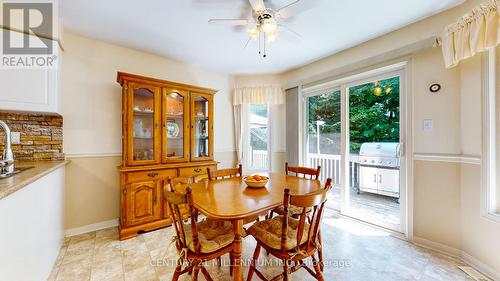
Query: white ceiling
179	29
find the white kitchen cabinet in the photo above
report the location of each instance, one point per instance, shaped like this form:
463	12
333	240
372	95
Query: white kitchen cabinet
32	228
32	90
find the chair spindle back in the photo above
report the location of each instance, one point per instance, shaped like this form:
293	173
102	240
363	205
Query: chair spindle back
176	200
316	201
225	173
305	172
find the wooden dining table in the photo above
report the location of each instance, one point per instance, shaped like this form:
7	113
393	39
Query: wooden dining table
230	199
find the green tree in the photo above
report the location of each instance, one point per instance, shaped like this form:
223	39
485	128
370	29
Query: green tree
373	114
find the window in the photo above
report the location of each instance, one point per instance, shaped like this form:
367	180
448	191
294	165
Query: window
491	160
259	148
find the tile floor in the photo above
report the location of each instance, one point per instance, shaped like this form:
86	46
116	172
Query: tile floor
352	252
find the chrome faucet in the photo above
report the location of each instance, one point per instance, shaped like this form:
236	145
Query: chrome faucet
7	161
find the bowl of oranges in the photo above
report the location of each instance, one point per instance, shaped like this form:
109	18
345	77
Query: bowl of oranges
256	181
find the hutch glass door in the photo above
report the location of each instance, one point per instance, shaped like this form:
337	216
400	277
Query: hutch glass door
144	134
201	126
175	125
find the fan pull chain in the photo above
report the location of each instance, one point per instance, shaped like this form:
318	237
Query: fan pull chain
265	54
259	43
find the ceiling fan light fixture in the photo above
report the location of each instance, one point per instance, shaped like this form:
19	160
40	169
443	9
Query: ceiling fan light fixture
269	25
271	37
254	32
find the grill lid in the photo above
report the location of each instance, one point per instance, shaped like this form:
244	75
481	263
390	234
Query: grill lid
380	149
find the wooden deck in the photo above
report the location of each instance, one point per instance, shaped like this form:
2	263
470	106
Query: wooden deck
372	208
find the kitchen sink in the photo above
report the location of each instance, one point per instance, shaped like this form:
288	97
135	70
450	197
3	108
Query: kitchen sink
16	171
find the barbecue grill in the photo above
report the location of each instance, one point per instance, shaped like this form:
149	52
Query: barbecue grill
379	168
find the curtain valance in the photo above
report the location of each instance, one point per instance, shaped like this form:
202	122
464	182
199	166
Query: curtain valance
475	32
258	95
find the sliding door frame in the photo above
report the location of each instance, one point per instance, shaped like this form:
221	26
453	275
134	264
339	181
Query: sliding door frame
400	69
305	112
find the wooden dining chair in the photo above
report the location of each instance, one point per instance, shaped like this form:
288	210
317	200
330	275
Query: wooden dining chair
304	172
196	242
292	240
225	173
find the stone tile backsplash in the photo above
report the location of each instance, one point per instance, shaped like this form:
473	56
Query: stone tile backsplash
41	135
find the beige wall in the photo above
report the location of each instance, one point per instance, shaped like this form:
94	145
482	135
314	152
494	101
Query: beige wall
446	195
257	80
443	107
366	52
437	202
92	97
479	235
92	192
92	120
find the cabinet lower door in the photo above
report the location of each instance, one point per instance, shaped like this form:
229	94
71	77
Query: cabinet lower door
388	182
142	204
368	179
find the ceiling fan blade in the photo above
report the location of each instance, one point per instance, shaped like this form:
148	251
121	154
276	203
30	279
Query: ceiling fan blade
248	41
257	5
295	7
229	21
298	35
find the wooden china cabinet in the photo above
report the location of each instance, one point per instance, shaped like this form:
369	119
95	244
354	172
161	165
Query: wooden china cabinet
167	132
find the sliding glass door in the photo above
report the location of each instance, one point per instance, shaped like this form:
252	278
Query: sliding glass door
374	150
353	131
323	137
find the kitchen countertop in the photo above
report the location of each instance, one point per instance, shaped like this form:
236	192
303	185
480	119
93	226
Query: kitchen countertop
18	181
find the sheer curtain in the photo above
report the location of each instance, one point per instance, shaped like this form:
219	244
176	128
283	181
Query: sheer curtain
474	32
242	98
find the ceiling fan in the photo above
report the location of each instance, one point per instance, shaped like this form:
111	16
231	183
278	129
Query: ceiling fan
264	23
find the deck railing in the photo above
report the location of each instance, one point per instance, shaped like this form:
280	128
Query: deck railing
258	159
330	167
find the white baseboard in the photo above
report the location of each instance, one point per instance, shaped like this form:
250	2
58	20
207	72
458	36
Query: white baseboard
456	253
438	247
480	266
91	227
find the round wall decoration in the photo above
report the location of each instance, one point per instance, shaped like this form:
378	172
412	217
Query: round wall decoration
434	88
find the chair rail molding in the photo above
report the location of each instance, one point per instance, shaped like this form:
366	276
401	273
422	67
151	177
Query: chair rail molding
93	155
450	158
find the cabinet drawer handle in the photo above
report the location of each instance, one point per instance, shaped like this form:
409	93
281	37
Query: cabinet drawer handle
197	170
152	175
